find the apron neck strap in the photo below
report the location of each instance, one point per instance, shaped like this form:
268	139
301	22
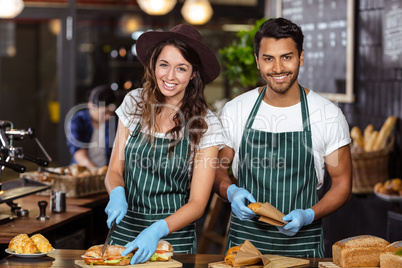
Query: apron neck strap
256	106
304	109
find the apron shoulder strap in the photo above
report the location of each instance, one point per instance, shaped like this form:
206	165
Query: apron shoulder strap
304	109
255	108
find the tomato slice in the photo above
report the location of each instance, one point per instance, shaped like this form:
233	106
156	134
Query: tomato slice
160	251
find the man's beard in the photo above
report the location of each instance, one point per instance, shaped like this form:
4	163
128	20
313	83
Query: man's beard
281	88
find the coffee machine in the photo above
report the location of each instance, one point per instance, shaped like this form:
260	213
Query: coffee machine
9	155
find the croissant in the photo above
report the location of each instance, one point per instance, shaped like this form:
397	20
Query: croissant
16	241
22	244
42	243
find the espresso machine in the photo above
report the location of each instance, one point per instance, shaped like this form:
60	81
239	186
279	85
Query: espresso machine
9	155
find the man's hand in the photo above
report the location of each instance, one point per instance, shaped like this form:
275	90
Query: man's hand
237	197
117	206
297	219
146	242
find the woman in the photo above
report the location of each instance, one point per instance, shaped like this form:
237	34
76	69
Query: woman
162	166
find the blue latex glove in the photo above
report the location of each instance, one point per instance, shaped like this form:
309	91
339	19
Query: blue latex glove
117	206
297	219
146	242
237	197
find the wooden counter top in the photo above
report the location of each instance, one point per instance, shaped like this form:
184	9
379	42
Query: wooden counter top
66	257
76	208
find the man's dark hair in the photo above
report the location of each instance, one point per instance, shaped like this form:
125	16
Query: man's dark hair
279	28
102	95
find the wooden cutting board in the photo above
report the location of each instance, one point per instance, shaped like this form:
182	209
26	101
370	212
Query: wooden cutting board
276	262
148	264
333	265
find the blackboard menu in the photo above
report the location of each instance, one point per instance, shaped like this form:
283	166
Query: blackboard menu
392	33
327	66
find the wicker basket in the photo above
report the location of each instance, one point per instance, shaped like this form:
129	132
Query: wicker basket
370	168
72	186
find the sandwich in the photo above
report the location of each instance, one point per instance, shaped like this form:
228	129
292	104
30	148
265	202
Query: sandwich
112	256
392	255
163	252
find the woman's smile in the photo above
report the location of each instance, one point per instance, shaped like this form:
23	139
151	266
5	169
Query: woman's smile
169	86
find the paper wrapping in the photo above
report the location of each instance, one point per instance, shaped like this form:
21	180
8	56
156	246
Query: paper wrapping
250	255
269	214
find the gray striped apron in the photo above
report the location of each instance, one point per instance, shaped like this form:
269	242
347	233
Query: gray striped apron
278	168
156	187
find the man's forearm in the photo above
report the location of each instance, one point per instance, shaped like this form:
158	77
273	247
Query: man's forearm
335	198
221	183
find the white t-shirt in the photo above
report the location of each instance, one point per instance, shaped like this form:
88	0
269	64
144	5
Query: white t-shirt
212	137
329	128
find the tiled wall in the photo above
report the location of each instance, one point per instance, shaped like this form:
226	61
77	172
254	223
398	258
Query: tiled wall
378	88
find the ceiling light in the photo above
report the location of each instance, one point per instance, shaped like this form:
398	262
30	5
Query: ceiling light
10	8
130	23
55	26
197	11
156	7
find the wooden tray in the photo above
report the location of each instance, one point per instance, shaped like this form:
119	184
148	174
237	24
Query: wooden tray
333	265
170	263
277	261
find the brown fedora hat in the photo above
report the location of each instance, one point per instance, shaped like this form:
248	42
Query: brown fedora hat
147	41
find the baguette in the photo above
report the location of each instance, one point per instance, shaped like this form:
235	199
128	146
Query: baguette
367	133
358	251
391	257
357	136
384	133
369	145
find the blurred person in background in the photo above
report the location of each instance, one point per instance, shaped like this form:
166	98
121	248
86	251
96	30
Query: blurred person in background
91	131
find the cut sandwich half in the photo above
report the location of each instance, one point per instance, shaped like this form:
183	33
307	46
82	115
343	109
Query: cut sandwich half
163	252
112	256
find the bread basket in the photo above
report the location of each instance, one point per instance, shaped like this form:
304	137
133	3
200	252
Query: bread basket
370	167
79	185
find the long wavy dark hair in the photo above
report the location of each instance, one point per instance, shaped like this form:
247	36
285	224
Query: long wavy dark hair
193	107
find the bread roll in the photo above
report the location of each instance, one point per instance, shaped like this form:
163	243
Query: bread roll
358	251
255	206
79	171
102	170
232	253
384	133
391	257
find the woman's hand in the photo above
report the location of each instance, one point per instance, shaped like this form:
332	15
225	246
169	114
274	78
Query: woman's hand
146	242
117	206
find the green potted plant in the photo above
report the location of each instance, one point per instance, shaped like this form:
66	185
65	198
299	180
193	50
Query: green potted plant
238	60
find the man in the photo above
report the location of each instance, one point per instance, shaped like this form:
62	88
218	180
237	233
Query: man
279	139
89	133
